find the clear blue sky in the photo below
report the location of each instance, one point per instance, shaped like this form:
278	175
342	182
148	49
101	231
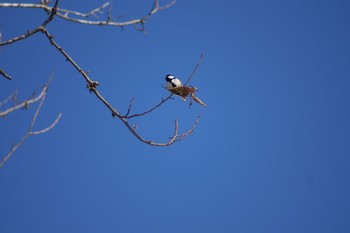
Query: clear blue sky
270	154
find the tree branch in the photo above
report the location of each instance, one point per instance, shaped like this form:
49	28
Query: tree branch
23	104
30	130
92	85
36	30
195	69
126	116
184	135
8	98
5	75
67	14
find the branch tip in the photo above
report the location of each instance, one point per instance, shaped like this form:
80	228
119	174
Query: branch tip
30	131
3	73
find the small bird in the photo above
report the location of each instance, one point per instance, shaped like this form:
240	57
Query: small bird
172	82
175	86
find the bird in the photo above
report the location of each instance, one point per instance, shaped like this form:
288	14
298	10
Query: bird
172	82
175	86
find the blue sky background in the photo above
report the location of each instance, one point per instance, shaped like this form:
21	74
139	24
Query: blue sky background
270	154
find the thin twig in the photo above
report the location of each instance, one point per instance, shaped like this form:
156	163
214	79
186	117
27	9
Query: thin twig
195	69
25	103
49	127
7	99
184	135
37	111
13	149
36	30
5	74
65	14
129	108
59	10
149	110
84	15
168	5
30	130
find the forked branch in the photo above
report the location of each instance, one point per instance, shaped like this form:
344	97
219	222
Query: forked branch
30	131
24	104
36	30
80	17
91	84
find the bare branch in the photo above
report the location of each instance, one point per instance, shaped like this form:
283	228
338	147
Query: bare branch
93	12
5	75
149	110
32	32
49	127
129	108
168	5
37	111
25	103
60	11
14	148
8	98
30	130
195	69
21	37
92	85
66	14
184	135
132	129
